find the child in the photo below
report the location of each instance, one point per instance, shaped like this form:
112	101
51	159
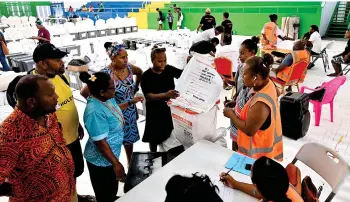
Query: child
248	48
158	86
170	19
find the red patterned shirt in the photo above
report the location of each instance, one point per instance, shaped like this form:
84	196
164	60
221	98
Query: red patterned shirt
35	159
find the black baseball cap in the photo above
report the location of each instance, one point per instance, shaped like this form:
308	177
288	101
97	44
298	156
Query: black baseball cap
47	51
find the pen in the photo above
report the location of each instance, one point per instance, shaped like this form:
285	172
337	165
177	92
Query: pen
229	171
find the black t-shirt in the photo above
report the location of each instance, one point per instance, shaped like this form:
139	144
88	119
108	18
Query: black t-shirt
161	15
159	122
227	24
347	48
208	22
202	47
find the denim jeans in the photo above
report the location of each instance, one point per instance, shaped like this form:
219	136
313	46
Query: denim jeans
5	66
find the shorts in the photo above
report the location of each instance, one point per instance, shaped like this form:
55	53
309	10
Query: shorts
77	155
179	23
160	22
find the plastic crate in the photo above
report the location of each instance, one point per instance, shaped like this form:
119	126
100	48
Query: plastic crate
92	34
74	50
27	64
76	36
134	29
127	29
83	35
120	30
111	32
74	80
102	33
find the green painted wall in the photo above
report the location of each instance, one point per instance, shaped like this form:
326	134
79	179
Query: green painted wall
248	17
8	8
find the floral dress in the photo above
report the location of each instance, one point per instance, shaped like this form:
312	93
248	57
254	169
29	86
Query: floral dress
124	92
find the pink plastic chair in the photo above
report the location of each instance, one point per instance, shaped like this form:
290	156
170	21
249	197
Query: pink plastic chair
331	90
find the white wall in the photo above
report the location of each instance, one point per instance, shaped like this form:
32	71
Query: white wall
326	15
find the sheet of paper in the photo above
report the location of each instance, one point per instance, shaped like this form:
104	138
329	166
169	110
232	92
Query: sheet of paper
225	193
199	85
238	163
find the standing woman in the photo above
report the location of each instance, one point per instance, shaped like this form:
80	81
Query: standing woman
104	122
170	19
5	66
248	48
122	73
259	123
158	87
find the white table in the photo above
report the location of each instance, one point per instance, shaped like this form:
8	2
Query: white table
203	157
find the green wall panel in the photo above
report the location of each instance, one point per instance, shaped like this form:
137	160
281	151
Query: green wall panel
26	8
248	17
251	25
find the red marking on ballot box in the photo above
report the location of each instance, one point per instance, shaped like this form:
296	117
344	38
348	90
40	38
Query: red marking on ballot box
178	118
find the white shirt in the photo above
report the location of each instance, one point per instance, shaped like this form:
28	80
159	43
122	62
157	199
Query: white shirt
316	41
205	35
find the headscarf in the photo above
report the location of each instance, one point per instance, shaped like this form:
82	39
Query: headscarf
114	49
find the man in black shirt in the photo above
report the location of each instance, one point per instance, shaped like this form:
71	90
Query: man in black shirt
207	21
204	47
227	24
341	58
160	19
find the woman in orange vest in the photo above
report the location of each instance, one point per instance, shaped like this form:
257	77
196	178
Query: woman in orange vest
270	31
270	182
259	124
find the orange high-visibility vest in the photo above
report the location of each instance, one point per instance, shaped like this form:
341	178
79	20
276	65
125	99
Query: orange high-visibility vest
298	56
265	142
270	29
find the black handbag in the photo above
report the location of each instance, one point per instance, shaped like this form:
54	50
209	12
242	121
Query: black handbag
144	164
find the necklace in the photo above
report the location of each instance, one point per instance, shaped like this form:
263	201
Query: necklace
114	111
117	73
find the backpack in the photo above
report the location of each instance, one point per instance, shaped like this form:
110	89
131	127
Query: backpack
305	188
11	94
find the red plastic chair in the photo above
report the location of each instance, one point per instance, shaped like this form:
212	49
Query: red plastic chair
331	87
294	79
223	66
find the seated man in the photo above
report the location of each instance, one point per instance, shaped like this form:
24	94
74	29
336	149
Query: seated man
299	54
204	47
314	43
341	58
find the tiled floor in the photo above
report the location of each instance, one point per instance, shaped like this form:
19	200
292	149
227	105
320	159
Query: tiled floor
327	133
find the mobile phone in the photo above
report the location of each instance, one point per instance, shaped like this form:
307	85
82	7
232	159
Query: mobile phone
248	166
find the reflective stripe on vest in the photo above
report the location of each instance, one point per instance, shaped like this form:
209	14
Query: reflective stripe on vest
277	139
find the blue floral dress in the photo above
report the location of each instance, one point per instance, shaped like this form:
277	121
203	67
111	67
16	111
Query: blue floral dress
124	92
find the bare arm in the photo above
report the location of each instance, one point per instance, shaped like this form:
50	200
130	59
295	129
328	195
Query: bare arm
264	36
155	97
138	72
249	189
199	26
253	123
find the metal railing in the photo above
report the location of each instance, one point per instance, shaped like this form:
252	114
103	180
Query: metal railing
245	9
106	10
